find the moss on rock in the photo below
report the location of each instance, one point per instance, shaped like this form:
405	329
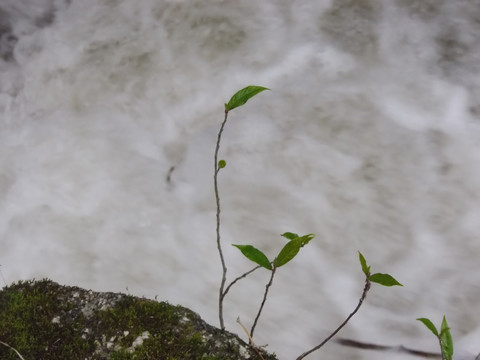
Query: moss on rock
44	320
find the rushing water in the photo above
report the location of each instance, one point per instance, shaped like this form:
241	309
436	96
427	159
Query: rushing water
369	137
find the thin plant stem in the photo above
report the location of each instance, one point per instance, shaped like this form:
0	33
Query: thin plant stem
267	287
239	278
441	348
1	274
15	350
252	343
219	245
360	302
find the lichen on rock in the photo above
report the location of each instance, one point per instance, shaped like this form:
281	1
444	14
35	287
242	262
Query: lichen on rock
44	320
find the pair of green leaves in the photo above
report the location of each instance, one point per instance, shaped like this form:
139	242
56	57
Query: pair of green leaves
444	336
288	252
382	279
291	249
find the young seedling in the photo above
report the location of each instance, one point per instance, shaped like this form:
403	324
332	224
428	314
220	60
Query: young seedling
286	254
238	99
382	279
444	337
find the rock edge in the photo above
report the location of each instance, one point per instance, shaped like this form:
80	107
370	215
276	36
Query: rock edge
45	320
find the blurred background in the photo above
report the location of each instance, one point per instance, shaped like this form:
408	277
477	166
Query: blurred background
369	138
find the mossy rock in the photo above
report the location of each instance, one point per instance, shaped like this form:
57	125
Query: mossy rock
44	320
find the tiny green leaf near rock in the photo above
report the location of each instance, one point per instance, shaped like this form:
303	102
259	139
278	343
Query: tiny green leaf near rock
255	255
384	279
242	96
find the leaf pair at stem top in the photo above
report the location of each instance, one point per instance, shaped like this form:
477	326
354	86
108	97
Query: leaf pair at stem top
382	279
289	251
444	336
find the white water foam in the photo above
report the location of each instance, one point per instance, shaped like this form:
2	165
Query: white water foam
369	138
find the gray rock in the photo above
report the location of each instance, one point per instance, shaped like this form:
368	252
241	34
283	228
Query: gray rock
44	320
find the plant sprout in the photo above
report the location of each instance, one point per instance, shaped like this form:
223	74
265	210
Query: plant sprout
286	254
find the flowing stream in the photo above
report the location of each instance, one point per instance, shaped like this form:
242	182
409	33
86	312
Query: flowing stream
369	138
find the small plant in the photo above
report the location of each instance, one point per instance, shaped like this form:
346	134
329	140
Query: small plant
239	99
289	251
382	279
444	337
286	254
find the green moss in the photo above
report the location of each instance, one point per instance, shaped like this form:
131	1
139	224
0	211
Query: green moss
27	311
44	320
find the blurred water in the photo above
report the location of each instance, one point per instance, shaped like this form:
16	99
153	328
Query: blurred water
370	138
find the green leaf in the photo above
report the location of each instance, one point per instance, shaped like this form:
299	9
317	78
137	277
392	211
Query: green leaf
290	236
306	238
222	164
429	325
242	96
255	255
384	279
446	340
363	262
291	249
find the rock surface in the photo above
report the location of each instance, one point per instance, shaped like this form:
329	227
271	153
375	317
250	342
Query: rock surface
44	320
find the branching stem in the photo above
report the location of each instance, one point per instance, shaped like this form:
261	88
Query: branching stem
239	278
219	245
360	302
267	287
